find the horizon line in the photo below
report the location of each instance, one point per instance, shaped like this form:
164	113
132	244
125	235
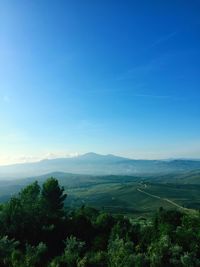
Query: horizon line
109	154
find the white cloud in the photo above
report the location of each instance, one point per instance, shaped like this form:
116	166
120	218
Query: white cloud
8	159
54	155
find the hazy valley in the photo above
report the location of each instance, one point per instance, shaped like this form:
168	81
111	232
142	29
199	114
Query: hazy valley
117	184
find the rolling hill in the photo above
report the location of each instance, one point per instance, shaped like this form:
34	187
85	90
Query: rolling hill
134	195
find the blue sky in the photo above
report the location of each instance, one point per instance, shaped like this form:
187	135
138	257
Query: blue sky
109	76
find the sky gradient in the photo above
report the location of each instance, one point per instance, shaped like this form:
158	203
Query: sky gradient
119	77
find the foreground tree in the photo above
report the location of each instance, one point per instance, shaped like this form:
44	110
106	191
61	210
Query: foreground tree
120	253
53	198
36	231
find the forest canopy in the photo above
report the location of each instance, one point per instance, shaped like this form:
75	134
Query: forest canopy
36	230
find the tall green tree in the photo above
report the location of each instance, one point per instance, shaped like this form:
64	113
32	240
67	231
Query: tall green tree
120	253
53	197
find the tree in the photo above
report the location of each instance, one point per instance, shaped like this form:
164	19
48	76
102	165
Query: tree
53	215
53	197
91	259
12	219
30	195
22	211
120	253
33	256
72	253
7	247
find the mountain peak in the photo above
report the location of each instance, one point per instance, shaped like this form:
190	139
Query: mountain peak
90	155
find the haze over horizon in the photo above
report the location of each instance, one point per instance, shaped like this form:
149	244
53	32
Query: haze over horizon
112	77
52	156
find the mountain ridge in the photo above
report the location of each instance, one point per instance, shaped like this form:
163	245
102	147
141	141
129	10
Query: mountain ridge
97	164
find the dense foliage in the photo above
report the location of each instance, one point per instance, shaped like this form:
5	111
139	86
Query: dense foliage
36	231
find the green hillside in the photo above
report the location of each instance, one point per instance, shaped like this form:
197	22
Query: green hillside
133	195
186	177
128	199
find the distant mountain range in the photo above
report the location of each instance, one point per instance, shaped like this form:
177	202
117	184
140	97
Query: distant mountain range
95	164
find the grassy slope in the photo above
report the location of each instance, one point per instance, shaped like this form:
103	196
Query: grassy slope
128	200
119	194
189	177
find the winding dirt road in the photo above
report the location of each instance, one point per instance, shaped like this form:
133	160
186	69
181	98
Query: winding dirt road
164	199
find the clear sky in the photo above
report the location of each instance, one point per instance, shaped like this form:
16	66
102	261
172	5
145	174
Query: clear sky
108	76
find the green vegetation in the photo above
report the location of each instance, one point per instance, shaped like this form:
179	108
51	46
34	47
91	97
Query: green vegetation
129	198
38	231
129	195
